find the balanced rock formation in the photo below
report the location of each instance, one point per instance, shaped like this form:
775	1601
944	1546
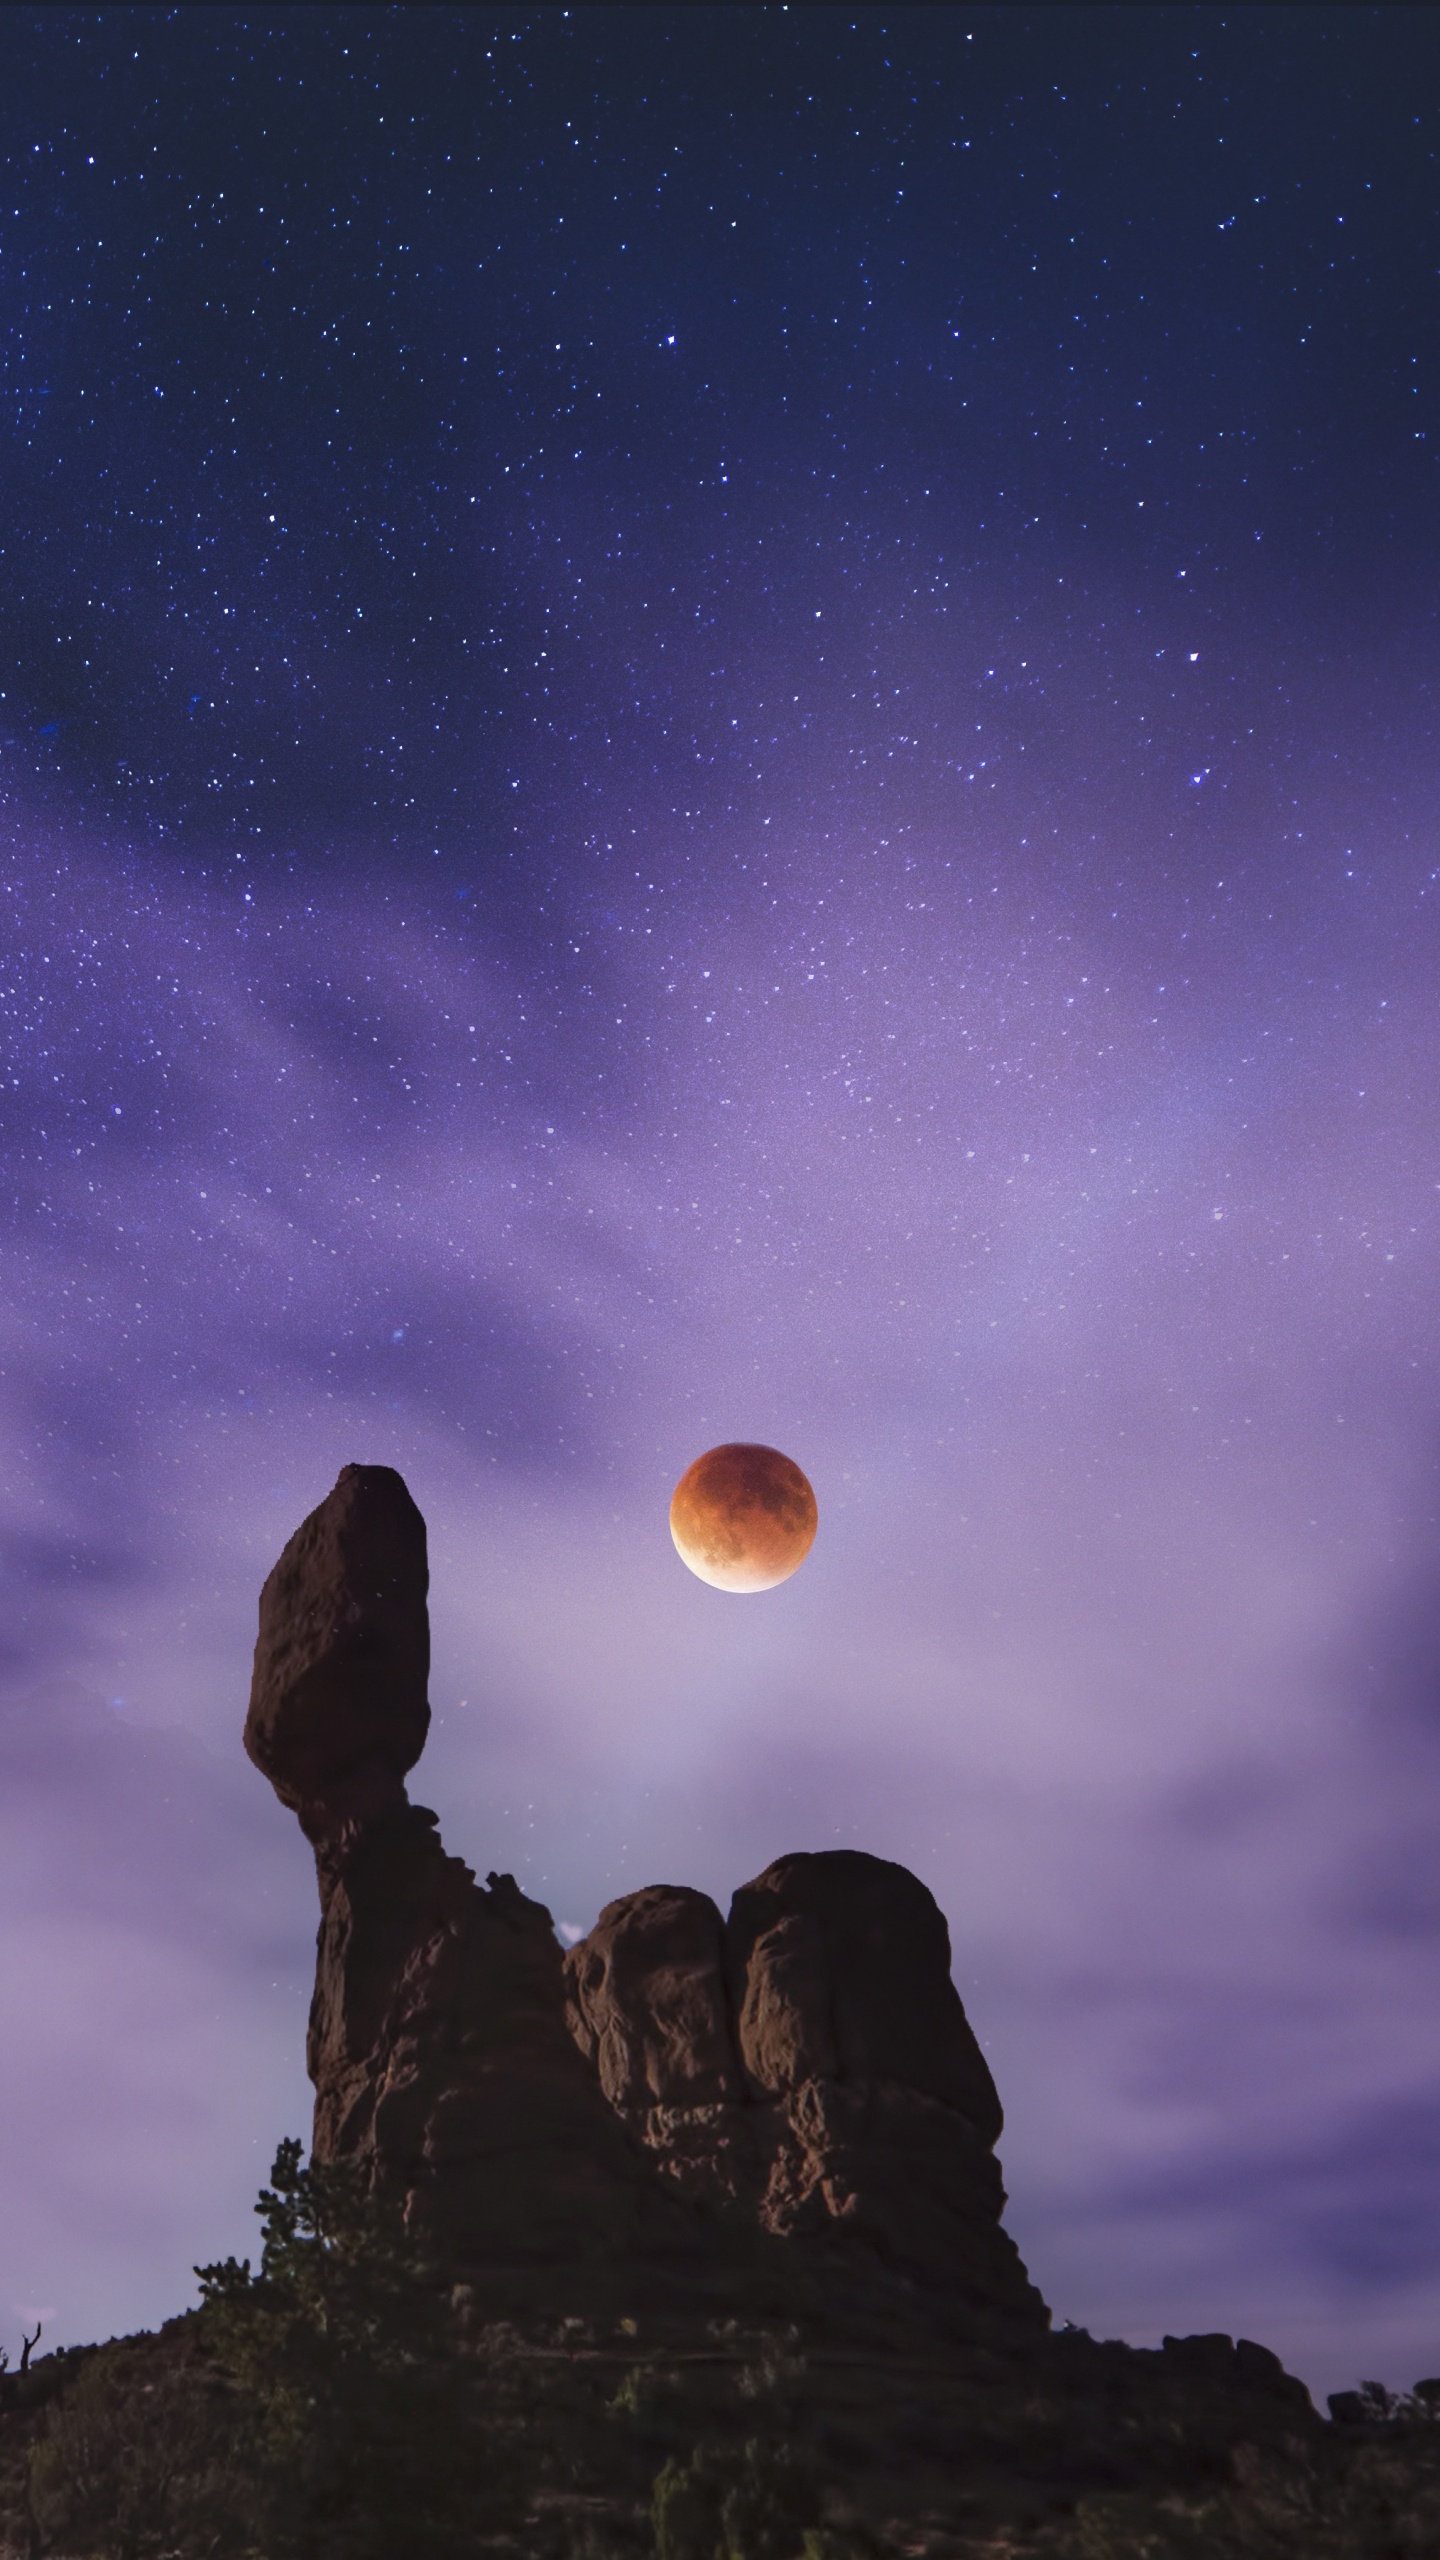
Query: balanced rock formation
339	1704
437	2045
679	2090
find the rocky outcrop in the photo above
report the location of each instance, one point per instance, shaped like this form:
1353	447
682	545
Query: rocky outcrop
438	2043
680	2089
851	2029
650	2004
808	2063
339	1709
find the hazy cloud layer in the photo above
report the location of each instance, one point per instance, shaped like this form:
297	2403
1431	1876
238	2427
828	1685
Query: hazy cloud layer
704	739
1116	1631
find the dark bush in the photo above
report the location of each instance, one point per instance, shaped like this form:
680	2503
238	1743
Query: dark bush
144	2454
753	2503
373	2434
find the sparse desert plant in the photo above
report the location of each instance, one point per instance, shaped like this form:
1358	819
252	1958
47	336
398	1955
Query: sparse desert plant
753	2502
775	2370
143	2456
1363	2494
373	2429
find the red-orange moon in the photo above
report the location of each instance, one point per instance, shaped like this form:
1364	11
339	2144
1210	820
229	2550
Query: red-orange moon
743	1517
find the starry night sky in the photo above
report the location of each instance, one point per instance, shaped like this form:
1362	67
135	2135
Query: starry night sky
720	723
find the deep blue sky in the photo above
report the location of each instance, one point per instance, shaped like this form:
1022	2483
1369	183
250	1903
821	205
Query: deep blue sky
721	723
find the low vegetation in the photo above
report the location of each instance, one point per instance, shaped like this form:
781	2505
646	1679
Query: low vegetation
339	2402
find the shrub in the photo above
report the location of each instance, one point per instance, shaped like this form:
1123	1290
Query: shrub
754	2504
144	2454
369	2419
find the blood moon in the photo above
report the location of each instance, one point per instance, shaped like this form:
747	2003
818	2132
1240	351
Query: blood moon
743	1517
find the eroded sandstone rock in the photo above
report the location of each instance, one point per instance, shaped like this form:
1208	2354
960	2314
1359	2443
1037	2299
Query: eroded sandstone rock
850	2027
801	2072
809	2064
845	1964
649	2002
438	2042
650	2005
339	1709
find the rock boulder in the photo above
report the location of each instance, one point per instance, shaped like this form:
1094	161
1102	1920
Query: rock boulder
808	2065
339	1709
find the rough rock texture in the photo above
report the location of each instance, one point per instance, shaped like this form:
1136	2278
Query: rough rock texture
678	2089
809	2063
338	1704
438	2044
650	2005
851	2027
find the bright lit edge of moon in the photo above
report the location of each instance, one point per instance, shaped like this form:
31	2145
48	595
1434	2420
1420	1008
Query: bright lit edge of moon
743	1517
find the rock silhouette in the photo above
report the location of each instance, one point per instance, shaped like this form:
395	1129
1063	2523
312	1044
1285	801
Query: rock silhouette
437	2041
339	1709
809	2062
678	2093
713	2202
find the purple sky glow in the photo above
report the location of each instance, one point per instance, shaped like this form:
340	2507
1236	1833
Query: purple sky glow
838	858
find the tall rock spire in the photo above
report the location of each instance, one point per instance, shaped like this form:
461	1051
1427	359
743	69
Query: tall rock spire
438	2042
